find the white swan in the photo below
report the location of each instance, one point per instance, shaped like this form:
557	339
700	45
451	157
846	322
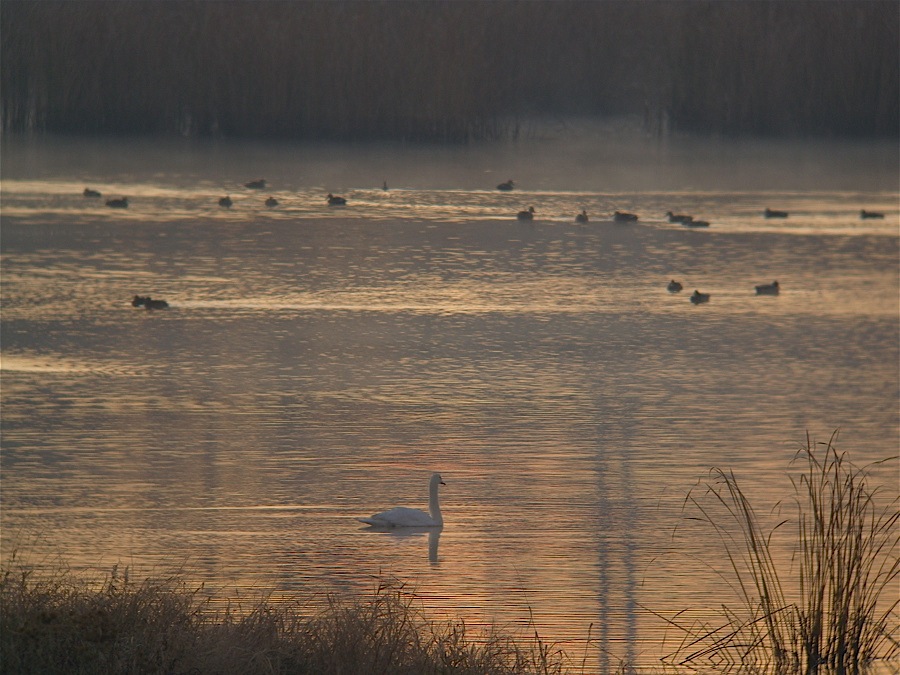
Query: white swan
402	516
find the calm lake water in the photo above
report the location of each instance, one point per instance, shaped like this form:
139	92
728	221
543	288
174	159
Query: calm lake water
317	364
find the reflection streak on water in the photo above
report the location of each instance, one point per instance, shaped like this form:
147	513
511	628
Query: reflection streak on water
833	212
313	370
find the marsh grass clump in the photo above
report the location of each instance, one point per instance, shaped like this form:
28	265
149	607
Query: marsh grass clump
831	608
386	634
58	624
62	624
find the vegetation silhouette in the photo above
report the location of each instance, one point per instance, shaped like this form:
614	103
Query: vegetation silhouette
447	71
831	607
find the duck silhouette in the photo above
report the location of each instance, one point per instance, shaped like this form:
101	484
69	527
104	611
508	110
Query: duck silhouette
768	289
699	297
678	218
148	302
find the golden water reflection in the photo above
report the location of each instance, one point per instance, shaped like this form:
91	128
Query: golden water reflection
314	370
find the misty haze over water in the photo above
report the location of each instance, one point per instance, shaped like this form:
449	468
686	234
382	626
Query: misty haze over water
568	155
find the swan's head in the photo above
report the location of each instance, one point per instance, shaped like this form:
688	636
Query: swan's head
437	480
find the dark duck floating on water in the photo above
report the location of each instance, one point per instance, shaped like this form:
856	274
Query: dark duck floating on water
621	217
90	193
121	203
271	202
696	223
582	217
678	218
334	200
226	202
771	213
870	214
148	302
699	297
256	184
526	215
674	287
507	186
768	289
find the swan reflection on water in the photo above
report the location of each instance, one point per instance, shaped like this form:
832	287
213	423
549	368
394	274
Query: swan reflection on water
434	536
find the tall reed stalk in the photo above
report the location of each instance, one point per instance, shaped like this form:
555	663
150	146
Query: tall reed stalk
834	609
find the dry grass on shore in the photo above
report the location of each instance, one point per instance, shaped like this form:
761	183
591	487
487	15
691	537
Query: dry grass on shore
63	625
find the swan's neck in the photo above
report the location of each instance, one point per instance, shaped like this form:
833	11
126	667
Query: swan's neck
434	507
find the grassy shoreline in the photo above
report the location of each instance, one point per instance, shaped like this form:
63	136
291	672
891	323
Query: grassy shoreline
66	624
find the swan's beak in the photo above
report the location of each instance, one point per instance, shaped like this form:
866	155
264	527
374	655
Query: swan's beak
443	483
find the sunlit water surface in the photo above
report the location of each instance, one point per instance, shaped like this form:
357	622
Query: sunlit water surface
317	364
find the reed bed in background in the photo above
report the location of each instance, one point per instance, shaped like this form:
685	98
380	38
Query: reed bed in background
834	608
456	71
64	625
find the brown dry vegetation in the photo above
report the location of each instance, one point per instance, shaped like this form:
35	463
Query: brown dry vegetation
834	607
447	71
65	625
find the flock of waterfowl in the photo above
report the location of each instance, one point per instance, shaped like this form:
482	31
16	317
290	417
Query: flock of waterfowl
618	216
507	186
118	203
698	298
683	219
686	220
